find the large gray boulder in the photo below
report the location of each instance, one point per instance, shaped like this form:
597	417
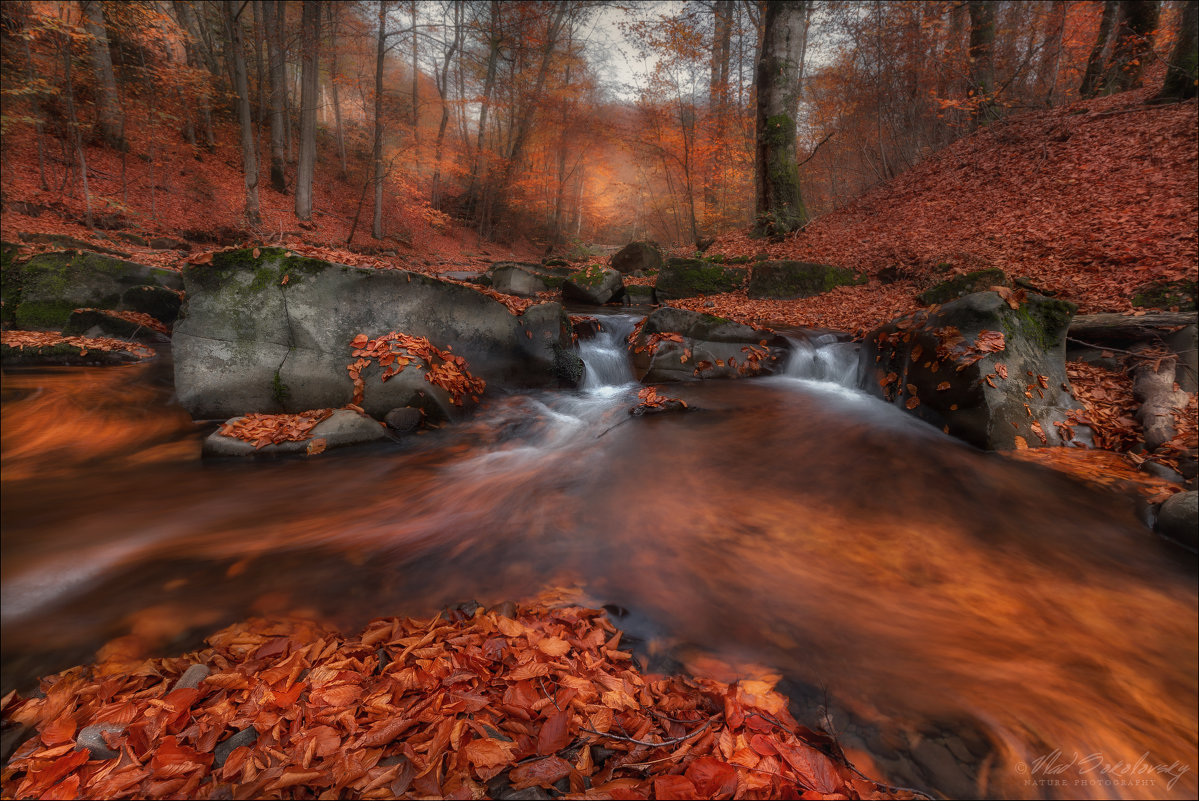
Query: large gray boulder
681	345
788	280
593	285
272	333
636	257
42	292
686	278
949	368
517	279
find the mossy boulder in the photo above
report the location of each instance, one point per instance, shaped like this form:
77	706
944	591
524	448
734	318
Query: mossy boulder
711	347
157	301
962	285
10	281
594	285
788	280
99	323
249	341
516	279
637	257
638	295
932	365
686	278
1166	295
50	286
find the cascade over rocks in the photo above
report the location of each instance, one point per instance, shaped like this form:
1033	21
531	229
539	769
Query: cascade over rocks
985	372
680	345
272	333
637	257
41	293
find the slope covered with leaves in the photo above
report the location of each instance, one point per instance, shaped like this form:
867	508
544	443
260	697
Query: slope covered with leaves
1087	201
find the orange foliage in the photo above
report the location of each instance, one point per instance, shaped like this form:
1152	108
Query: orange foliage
271	429
45	339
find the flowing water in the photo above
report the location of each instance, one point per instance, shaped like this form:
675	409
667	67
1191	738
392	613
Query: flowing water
963	623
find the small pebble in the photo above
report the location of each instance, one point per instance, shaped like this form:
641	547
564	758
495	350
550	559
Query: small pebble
92	738
247	736
192	677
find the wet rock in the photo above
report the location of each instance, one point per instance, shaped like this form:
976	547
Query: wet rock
92	738
342	428
1185	344
686	278
97	323
594	285
962	285
1161	471
63	355
900	362
1178	518
192	677
247	342
636	257
517	279
638	295
247	737
404	419
159	302
788	280
711	347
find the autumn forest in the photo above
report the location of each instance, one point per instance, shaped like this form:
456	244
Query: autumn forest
555	399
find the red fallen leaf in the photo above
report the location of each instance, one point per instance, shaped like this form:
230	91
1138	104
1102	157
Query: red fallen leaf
1001	369
257	253
38	782
542	772
384	732
1043	380
679	787
712	778
913	402
887	379
65	790
989	341
318	445
554	734
944	385
1021	443
296	776
488	752
554	646
1040	432
815	770
284	281
359	341
60	730
763	745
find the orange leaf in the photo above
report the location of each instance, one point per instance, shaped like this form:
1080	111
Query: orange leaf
317	446
554	734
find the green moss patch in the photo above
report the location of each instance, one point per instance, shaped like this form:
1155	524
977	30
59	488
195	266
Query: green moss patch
787	280
962	285
686	278
1166	295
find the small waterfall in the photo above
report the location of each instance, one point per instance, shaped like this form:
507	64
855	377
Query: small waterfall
823	358
606	355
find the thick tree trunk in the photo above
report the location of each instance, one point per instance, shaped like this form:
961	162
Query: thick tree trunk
260	91
1098	57
311	28
778	202
377	148
241	86
275	81
718	95
1182	74
982	55
1133	45
110	119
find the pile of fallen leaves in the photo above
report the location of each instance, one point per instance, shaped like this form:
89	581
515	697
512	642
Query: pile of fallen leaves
137	318
272	429
47	339
650	402
462	706
1102	469
1110	408
394	351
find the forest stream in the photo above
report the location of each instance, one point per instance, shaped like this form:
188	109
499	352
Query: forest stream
963	623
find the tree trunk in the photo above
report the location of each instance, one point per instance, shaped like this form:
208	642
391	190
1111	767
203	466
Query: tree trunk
1182	74
1051	51
78	139
275	80
493	55
415	79
109	116
1098	57
377	148
779	204
260	93
443	84
242	88
341	135
982	55
1133	45
718	96
311	28
35	106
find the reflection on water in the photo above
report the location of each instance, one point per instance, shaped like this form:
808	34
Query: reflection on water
956	615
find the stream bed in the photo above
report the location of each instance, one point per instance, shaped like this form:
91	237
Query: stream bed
962	623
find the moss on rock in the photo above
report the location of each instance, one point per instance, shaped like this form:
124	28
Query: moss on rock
686	278
1167	295
962	285
787	280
